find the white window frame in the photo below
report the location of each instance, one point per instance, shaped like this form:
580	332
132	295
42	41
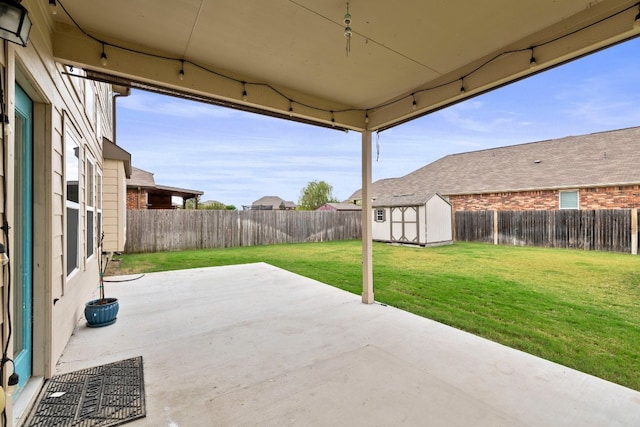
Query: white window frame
71	145
90	207
99	207
563	206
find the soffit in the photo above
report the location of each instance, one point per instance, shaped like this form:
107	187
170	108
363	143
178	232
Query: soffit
292	53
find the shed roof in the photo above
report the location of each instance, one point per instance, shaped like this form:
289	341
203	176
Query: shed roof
594	160
413	199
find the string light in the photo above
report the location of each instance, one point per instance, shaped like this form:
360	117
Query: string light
103	57
532	61
333	120
290	108
244	91
52	7
181	73
414	105
348	35
366	116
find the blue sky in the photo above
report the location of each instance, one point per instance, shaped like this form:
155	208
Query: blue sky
237	157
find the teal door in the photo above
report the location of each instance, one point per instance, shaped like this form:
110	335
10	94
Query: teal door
22	256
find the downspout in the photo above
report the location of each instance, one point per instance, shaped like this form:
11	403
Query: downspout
119	91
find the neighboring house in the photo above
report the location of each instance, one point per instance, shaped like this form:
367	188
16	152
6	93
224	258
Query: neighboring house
339	207
594	171
268	203
420	219
144	193
63	184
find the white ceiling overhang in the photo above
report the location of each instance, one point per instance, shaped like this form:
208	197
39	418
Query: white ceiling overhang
288	57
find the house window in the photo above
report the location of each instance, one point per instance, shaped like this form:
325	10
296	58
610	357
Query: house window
379	215
569	200
72	203
91	210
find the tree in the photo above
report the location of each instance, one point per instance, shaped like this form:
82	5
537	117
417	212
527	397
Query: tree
314	195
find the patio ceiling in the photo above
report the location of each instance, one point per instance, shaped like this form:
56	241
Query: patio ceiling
288	57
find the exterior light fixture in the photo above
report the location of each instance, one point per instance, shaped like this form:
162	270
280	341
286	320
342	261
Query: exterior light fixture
52	7
103	57
532	61
4	259
14	22
181	72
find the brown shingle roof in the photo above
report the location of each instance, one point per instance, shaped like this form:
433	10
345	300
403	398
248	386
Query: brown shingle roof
140	178
598	159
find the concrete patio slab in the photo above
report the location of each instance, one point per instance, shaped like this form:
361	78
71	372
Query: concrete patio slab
256	345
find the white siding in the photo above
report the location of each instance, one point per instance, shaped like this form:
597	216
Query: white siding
439	221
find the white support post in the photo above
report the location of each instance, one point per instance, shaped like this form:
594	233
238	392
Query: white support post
367	221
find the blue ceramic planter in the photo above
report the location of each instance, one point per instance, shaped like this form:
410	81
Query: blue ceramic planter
100	313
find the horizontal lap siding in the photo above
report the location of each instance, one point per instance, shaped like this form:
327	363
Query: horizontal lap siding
172	230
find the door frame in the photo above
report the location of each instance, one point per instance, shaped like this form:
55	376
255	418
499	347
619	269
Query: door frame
42	216
23	278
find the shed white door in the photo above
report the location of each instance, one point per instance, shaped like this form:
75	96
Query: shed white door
404	224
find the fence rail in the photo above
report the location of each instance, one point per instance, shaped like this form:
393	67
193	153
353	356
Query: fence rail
612	230
173	230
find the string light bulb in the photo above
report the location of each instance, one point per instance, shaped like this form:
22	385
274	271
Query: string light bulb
244	91
4	259
181	73
290	108
52	7
414	105
636	22
532	61
103	57
366	116
333	120
462	88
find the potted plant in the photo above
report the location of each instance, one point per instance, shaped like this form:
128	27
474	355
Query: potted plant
102	311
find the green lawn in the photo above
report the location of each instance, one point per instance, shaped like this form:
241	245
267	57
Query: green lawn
577	308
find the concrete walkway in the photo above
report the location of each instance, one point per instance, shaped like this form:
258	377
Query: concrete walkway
255	345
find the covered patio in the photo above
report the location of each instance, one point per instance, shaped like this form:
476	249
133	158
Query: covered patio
364	66
257	345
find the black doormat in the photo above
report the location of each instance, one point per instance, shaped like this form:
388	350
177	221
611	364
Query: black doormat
102	396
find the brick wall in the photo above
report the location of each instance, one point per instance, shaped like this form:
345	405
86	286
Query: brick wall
136	199
589	198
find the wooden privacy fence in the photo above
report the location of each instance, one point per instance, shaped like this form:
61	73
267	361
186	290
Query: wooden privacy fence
614	230
174	230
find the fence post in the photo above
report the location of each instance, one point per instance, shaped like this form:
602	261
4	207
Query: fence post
634	231
495	226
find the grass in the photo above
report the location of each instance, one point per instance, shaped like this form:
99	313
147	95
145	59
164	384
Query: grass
577	308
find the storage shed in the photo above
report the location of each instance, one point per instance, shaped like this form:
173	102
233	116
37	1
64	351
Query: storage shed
419	219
